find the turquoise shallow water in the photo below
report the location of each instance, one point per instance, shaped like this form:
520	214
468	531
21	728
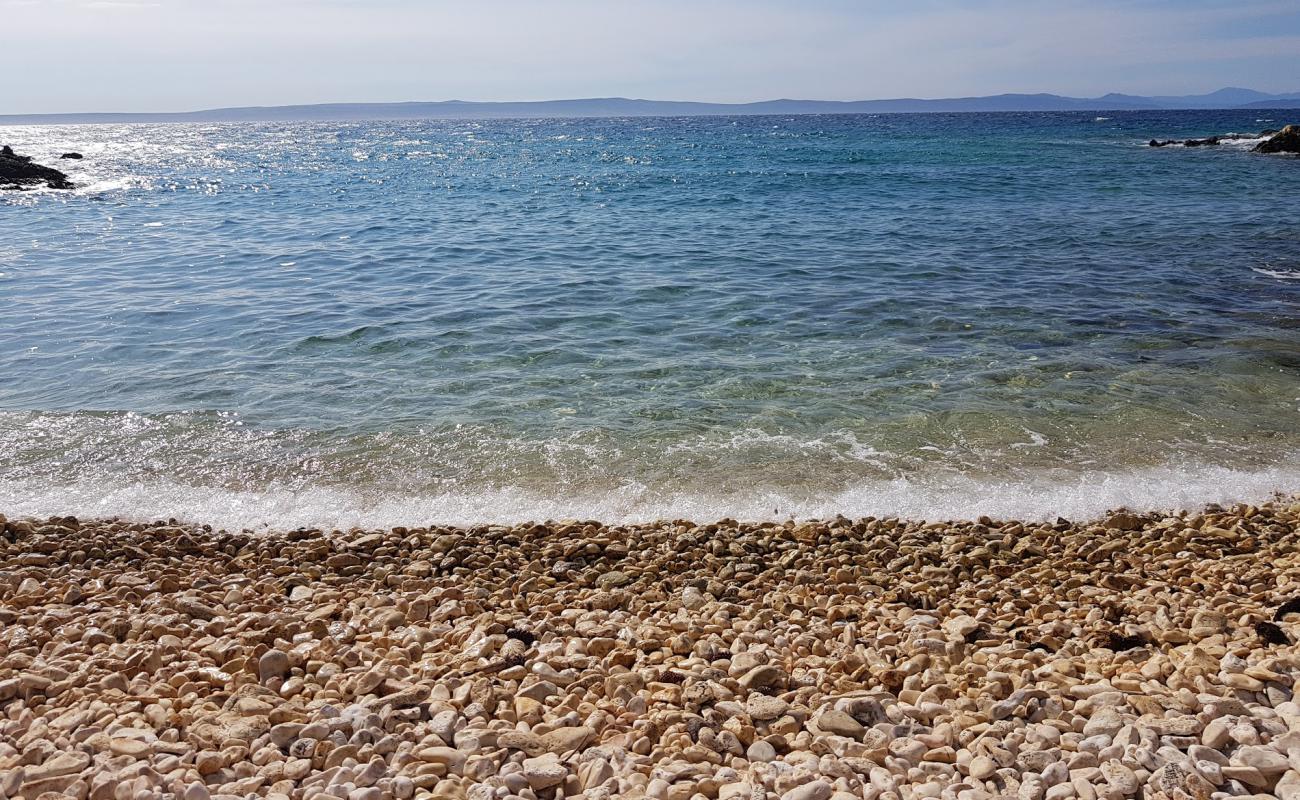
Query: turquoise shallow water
383	323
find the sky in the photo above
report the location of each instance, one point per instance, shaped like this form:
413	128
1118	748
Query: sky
181	55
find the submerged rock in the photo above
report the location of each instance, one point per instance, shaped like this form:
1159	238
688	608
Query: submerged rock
18	171
77	156
1286	140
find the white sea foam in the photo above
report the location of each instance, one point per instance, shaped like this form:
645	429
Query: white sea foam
1280	274
106	185
1243	142
1079	496
1036	439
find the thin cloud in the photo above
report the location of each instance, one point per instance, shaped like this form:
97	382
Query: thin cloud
117	5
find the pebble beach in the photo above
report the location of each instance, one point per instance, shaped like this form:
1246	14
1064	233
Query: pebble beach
1132	656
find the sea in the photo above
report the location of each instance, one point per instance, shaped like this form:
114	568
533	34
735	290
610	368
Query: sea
931	316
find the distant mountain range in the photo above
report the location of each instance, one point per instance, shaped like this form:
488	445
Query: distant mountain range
1229	98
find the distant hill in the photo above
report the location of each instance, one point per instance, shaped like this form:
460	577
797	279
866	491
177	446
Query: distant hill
1264	104
1227	98
1223	98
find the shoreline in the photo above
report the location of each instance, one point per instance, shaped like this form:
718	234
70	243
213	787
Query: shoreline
1162	490
1142	654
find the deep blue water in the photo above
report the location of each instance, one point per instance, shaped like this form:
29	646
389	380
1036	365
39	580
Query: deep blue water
932	315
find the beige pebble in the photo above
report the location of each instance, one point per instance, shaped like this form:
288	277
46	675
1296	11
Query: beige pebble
819	660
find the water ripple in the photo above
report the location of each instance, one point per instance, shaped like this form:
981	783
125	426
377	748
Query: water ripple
642	315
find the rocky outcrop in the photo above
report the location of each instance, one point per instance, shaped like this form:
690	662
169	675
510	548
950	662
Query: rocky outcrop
1286	140
18	171
77	156
1207	142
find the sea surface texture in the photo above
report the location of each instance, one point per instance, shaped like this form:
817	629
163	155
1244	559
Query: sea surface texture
375	324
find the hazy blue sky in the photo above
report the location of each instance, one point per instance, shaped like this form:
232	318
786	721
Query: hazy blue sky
173	55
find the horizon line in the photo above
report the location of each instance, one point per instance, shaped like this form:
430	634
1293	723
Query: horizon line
1135	103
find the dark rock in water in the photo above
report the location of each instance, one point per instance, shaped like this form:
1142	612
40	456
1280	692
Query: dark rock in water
1271	634
1286	140
1209	141
1184	142
19	171
72	155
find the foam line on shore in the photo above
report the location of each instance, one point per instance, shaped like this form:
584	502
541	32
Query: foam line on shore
1077	496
